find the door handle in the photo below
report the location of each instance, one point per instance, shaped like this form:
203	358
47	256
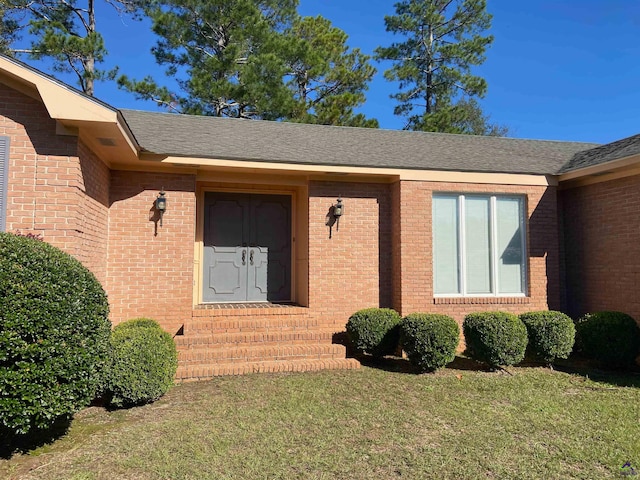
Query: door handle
251	258
244	257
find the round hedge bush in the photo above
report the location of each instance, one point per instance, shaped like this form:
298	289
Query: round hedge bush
612	338
143	363
375	330
429	340
551	334
54	334
495	338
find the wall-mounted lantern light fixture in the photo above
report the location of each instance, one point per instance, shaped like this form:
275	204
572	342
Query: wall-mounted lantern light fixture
161	204
338	208
333	216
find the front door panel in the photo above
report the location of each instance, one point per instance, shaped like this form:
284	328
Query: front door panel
271	228
247	247
257	275
227	275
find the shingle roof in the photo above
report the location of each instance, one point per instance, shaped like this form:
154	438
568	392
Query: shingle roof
626	147
264	141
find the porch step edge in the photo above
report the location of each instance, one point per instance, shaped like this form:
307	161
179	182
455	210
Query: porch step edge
261	338
189	373
253	353
249	324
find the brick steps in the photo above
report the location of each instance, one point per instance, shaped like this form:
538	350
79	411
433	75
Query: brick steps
216	325
237	340
254	353
271	337
202	372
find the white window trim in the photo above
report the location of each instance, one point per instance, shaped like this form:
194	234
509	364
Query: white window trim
462	253
4	182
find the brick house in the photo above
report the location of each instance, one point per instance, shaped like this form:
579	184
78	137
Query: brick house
250	268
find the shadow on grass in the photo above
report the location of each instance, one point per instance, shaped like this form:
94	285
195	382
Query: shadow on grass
396	363
576	365
593	371
465	363
387	364
402	365
11	443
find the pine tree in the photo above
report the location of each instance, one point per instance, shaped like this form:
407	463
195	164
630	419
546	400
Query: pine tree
64	30
327	78
443	40
254	59
226	57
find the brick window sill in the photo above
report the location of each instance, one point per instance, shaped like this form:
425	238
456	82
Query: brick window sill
482	300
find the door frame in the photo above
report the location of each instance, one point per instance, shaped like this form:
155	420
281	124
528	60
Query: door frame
198	265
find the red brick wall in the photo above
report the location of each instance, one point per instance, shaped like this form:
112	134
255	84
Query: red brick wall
93	213
39	161
602	252
57	187
352	269
396	247
150	268
413	249
382	253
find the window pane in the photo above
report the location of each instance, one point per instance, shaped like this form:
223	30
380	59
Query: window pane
478	245
445	245
509	221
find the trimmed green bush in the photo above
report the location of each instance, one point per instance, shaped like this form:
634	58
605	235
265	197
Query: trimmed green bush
495	338
375	331
143	364
54	334
551	334
612	338
429	340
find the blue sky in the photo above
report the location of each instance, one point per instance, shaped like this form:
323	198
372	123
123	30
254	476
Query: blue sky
557	70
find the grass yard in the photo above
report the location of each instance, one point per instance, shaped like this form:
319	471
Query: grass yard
366	424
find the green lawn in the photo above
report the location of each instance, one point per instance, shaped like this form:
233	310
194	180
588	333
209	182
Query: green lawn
364	424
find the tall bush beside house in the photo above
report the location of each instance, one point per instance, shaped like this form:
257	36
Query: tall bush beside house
143	363
495	338
375	330
429	340
54	334
551	334
612	338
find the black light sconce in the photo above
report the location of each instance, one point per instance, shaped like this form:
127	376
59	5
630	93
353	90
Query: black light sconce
338	208
333	217
161	204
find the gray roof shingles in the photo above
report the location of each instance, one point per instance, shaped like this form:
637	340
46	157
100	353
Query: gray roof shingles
619	149
264	141
227	138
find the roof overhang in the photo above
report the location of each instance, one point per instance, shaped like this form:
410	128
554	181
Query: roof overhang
98	125
619	168
336	172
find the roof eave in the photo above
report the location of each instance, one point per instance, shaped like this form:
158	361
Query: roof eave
72	109
390	173
601	169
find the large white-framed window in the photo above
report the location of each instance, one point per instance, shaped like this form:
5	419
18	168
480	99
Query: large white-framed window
479	245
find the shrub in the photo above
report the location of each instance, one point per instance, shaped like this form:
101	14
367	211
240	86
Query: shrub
429	339
54	334
551	334
612	338
375	330
496	338
143	363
